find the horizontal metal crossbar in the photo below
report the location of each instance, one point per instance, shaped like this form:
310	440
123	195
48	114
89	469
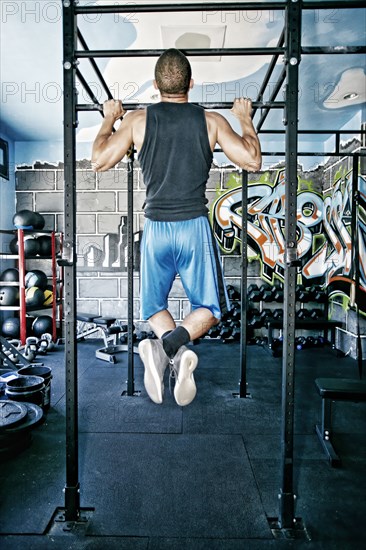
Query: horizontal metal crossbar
332	4
213	6
161	8
135	106
188	52
332	49
316	132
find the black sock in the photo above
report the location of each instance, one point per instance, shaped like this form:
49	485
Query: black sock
166	334
175	339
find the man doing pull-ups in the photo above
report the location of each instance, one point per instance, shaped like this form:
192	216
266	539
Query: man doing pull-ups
175	141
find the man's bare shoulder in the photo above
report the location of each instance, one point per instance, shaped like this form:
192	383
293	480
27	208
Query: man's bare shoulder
215	118
137	115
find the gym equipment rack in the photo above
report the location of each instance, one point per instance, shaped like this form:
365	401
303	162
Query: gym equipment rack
286	522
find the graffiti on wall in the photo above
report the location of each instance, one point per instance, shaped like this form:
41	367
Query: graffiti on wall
324	231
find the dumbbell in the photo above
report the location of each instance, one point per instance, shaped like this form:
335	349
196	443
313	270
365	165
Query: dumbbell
252	287
277	346
266	315
214	331
315	291
300	342
310	341
256	322
277	314
277	294
320	296
142	335
254	295
303	314
233	293
302	295
319	341
252	312
267	294
316	314
235	313
261	341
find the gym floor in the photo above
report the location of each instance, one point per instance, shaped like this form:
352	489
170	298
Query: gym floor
206	476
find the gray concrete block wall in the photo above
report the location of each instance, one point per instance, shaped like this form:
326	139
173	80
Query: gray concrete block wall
101	202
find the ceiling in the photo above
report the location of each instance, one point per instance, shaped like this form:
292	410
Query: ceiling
31	65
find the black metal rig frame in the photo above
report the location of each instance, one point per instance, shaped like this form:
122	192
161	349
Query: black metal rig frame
289	45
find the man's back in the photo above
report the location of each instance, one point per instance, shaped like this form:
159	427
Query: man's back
175	159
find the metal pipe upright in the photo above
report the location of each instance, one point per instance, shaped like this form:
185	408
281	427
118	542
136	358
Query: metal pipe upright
72	490
293	34
130	269
356	259
243	287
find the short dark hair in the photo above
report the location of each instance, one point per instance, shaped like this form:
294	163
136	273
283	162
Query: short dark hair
173	72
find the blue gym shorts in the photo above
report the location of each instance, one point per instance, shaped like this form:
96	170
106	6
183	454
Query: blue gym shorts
185	248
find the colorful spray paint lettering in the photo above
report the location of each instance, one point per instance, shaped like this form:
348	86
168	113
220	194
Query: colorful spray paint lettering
324	231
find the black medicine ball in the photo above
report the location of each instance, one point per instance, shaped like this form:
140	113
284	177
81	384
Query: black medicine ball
10	275
36	277
9	295
42	325
11	327
34	297
24	219
45	245
31	246
39	221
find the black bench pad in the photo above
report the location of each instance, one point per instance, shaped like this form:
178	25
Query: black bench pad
87	317
342	389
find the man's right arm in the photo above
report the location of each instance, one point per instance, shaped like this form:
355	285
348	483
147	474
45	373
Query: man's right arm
108	147
245	150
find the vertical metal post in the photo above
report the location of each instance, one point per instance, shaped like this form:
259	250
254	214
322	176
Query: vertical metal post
356	255
130	268
293	34
72	492
243	286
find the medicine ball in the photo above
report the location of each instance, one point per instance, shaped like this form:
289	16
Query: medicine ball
9	296
29	320
42	325
34	296
39	221
45	245
31	246
24	219
11	327
36	277
48	297
10	275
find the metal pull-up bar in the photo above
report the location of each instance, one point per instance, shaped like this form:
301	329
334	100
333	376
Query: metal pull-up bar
213	6
206	105
82	54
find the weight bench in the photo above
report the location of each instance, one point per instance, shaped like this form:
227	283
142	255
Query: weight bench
89	323
335	389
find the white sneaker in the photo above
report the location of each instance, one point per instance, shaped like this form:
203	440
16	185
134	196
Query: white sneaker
155	362
181	368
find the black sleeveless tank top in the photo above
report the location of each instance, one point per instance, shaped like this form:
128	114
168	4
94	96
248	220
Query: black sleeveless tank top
175	160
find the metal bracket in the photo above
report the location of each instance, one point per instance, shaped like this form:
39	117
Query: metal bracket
67	257
291	258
